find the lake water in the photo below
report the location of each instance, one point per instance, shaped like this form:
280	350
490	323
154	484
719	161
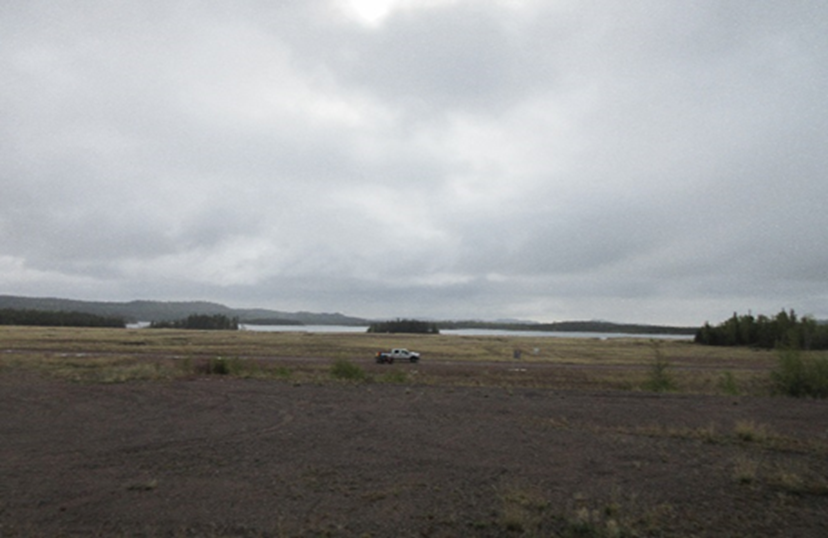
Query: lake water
464	332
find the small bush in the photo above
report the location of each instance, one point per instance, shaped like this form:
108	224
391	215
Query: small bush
728	385
346	370
800	376
745	470
219	366
750	432
659	379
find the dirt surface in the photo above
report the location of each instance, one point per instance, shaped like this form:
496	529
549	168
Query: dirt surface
215	456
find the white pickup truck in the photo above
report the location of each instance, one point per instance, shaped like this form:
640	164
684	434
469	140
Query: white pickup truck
397	354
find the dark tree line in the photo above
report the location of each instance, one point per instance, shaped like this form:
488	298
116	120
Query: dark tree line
216	322
404	326
57	318
569	326
783	330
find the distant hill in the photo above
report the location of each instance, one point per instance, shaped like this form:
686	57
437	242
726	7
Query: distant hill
135	311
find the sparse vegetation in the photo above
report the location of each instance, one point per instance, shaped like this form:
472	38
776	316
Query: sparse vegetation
745	469
222	366
526	511
659	379
800	376
568	363
750	432
347	371
394	376
786	476
728	384
531	480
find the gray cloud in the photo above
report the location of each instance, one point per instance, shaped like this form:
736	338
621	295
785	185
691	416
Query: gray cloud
640	162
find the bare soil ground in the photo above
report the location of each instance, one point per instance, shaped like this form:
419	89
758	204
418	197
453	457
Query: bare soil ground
220	456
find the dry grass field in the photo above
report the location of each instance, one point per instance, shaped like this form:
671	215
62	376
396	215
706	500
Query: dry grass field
108	432
115	355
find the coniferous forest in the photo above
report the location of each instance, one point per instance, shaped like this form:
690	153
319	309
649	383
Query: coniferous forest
404	326
217	322
785	330
50	318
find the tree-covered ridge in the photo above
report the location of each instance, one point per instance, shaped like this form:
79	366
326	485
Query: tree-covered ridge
570	326
404	326
57	318
785	329
216	322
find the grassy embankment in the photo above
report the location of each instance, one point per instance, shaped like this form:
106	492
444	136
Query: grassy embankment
117	355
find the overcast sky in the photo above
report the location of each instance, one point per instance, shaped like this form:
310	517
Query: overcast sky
640	161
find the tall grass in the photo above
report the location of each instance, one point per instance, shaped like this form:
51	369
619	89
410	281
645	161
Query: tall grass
800	376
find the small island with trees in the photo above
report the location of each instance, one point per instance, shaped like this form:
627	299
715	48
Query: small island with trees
204	322
412	326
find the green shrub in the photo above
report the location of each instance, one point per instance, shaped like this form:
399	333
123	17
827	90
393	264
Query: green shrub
728	385
799	376
346	370
221	366
659	379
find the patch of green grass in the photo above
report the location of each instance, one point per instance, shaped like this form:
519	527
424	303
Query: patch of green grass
394	376
345	370
221	366
281	372
111	369
234	367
